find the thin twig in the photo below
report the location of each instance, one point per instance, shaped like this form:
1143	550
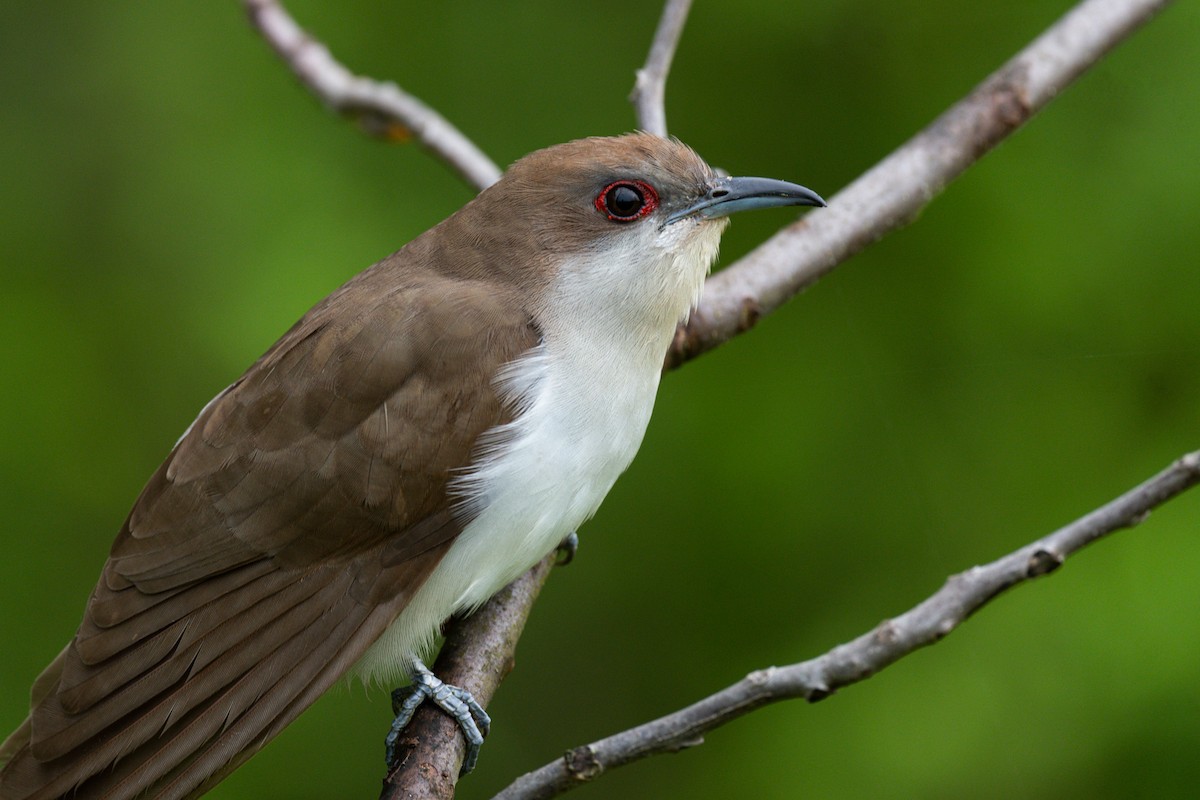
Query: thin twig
382	108
891	640
893	193
887	197
650	89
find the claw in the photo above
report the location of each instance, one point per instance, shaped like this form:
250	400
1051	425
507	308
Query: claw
472	720
567	549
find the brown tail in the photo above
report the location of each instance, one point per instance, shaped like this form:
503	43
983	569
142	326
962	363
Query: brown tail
174	713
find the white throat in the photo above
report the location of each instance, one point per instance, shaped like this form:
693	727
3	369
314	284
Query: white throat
582	398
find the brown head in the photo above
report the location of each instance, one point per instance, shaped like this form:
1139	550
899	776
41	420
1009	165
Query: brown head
629	221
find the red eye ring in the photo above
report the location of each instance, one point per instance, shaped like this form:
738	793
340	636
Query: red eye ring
626	201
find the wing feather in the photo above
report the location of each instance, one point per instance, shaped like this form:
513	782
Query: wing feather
286	530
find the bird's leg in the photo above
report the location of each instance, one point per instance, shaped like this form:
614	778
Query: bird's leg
472	720
567	548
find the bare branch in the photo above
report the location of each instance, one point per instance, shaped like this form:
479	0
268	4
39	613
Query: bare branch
961	596
382	108
884	199
891	194
649	90
478	654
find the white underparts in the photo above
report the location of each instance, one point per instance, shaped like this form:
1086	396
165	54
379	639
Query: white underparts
583	399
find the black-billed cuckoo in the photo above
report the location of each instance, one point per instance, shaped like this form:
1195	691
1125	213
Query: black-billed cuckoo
419	439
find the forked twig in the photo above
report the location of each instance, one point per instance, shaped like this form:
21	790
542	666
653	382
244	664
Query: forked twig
381	107
649	96
885	198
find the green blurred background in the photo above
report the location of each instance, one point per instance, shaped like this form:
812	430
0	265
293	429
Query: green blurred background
173	201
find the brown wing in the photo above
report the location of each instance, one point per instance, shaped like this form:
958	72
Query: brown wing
286	530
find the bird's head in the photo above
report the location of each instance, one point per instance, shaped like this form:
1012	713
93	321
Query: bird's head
632	222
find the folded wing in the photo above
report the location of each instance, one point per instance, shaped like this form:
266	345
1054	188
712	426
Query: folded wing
283	534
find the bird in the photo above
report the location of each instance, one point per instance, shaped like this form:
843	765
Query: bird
415	442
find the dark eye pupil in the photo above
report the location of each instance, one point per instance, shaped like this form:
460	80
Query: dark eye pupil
624	201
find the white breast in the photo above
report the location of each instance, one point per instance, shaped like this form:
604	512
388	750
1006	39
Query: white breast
583	399
546	473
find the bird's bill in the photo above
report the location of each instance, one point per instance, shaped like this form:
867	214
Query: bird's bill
728	195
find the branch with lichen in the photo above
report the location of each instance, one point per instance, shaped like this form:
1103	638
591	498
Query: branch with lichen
480	648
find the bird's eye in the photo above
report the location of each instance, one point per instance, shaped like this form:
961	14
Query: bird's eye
626	201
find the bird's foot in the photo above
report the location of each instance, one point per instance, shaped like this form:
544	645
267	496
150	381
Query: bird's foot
472	720
567	549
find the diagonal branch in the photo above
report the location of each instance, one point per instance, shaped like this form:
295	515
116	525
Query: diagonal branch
817	678
478	655
650	89
382	108
893	193
884	199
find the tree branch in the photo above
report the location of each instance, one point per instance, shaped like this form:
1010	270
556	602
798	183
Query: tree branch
817	678
382	108
478	653
479	649
650	88
892	194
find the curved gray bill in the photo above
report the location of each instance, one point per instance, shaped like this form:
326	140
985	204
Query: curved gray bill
727	195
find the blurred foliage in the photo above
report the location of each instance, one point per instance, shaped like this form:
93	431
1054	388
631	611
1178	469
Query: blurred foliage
1028	349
